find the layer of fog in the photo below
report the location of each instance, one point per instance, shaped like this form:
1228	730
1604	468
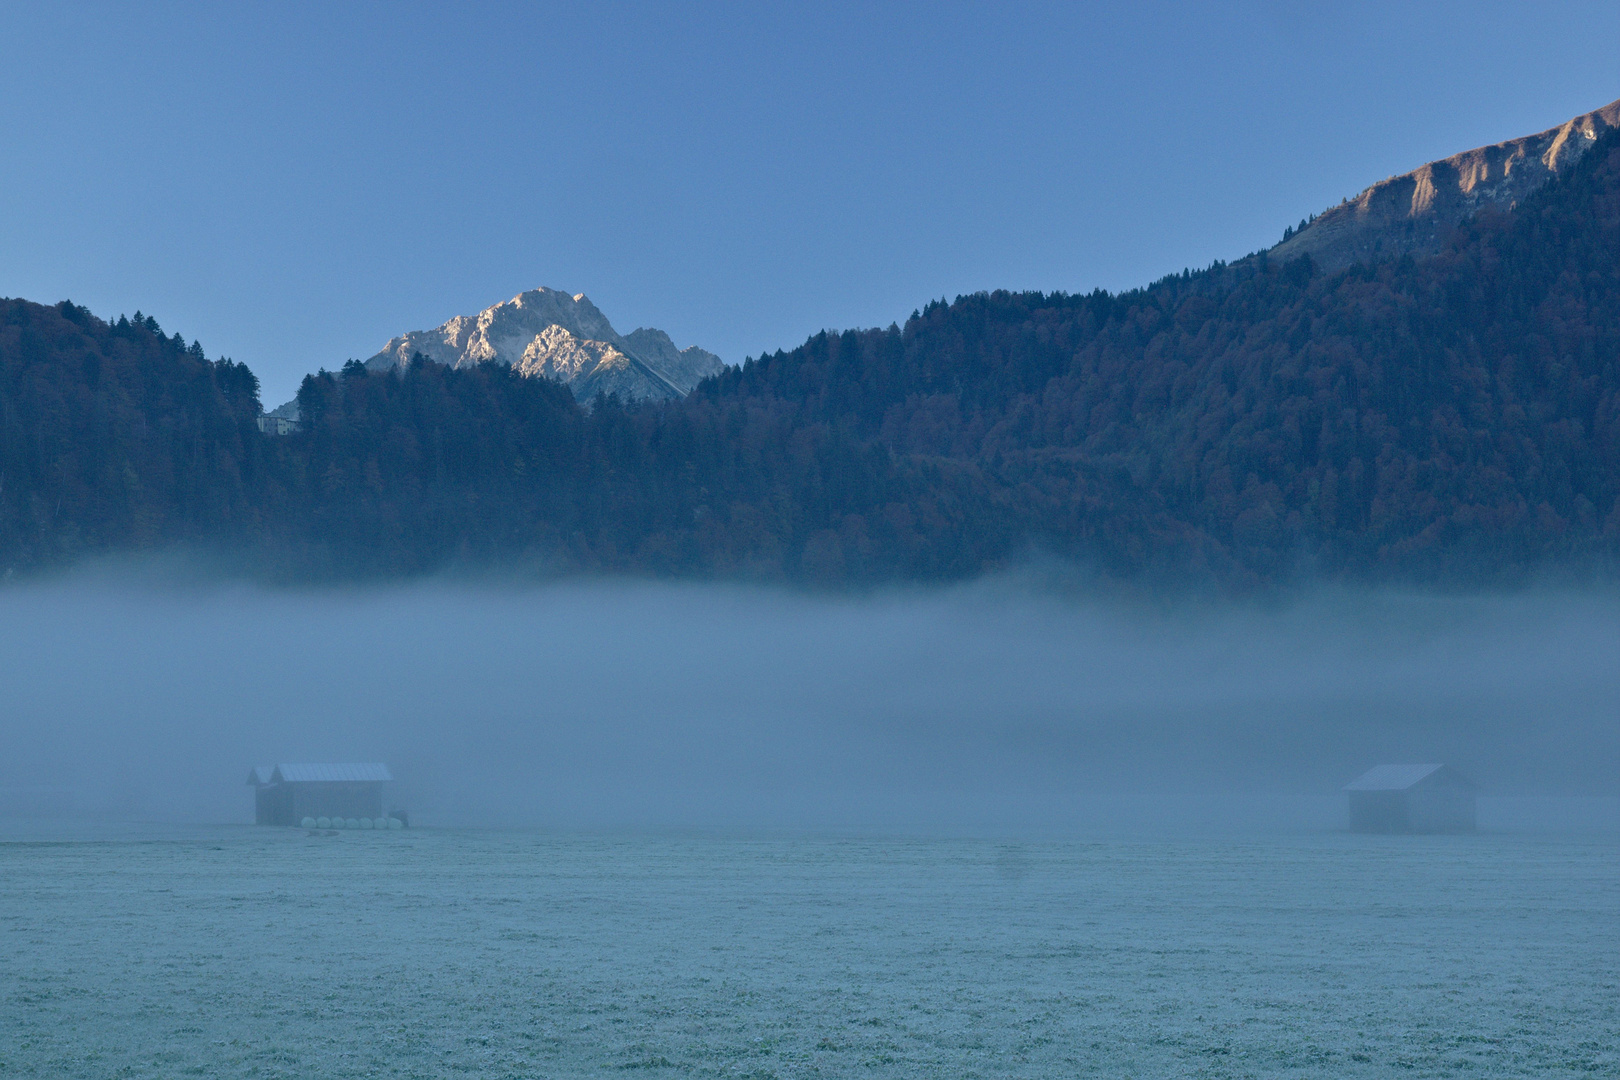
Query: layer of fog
993	706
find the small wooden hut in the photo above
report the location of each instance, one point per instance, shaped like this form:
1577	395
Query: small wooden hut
1411	799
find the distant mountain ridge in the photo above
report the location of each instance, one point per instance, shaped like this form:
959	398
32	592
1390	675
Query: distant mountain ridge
1453	418
552	334
1415	212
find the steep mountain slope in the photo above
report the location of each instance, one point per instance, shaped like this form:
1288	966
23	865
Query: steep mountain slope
587	354
686	367
590	367
1454	417
1415	212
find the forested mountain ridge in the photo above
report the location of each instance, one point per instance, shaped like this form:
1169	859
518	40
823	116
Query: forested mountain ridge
1453	418
1455	415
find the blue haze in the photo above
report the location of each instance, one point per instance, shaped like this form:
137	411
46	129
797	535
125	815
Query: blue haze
1005	707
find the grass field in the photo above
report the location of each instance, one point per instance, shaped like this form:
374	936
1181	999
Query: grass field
236	951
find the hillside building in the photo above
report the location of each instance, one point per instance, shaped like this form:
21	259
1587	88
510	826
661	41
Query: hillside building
272	424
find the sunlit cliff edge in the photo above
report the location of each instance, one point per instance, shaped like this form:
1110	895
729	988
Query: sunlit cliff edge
1415	212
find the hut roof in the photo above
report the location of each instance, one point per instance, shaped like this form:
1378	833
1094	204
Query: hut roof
294	774
1397	777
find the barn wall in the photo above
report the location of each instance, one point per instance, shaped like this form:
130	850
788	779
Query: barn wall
1379	812
1437	808
272	805
346	799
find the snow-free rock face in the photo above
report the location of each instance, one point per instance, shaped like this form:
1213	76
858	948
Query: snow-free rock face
688	366
1413	214
550	334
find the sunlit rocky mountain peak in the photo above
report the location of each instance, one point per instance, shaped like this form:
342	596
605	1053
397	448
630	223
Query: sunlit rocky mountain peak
562	336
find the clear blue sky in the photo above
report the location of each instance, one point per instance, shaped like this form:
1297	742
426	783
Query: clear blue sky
295	184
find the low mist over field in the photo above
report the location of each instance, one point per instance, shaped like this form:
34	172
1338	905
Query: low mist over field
1000	705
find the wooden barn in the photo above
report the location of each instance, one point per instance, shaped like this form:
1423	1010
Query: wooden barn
1411	799
286	794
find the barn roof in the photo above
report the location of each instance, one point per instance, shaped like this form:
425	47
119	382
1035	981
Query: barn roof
260	774
370	770
1392	777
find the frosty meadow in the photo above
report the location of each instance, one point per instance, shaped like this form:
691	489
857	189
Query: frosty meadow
438	953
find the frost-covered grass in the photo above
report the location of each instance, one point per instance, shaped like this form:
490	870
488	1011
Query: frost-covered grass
265	952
